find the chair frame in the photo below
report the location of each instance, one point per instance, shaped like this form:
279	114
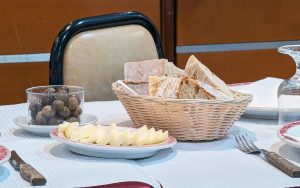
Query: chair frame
93	23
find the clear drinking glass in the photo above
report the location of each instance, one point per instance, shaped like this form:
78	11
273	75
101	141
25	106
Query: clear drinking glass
289	90
54	104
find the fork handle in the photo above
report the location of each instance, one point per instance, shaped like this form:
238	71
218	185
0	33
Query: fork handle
282	164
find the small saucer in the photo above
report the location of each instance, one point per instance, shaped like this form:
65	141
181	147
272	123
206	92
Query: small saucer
44	130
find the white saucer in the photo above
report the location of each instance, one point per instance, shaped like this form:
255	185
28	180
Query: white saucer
113	152
44	130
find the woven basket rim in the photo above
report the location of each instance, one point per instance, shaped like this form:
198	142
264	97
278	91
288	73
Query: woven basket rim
242	97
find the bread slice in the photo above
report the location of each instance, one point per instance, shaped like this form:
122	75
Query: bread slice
140	89
166	87
139	72
172	71
195	69
211	90
190	89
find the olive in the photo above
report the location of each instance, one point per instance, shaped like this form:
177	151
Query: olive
55	120
77	112
65	88
78	97
63	96
41	119
73	119
65	113
35	104
48	111
73	102
49	90
33	114
48	96
57	105
32	122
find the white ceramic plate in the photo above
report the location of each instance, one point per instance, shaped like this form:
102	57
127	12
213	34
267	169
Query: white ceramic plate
285	134
44	130
4	154
106	151
260	111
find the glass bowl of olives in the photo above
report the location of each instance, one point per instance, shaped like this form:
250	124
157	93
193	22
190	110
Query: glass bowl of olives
54	104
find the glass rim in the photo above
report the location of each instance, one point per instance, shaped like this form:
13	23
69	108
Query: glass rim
29	90
285	49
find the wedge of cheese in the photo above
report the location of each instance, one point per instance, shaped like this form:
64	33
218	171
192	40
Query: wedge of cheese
112	135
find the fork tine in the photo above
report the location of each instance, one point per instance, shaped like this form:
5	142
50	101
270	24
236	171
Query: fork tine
246	142
239	143
250	141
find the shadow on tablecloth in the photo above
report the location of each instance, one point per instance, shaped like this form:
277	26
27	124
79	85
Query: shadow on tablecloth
4	173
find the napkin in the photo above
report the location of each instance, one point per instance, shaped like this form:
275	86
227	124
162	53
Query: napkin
264	92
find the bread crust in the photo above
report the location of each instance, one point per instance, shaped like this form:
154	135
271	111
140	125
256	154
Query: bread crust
139	71
190	89
166	87
195	69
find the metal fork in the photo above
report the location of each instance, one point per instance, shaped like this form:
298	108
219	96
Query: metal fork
245	144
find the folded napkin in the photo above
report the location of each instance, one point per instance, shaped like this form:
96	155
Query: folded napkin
264	92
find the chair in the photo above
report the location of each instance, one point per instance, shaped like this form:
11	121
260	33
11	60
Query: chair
91	52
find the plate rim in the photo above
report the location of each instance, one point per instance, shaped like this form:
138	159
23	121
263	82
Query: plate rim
146	148
46	127
45	130
6	158
285	139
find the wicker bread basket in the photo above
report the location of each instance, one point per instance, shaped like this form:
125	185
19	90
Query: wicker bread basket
185	119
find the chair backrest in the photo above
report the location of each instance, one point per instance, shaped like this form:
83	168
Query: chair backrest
91	52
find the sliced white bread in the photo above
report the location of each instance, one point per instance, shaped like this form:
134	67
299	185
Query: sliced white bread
172	71
182	88
166	87
211	90
140	89
195	69
190	89
139	72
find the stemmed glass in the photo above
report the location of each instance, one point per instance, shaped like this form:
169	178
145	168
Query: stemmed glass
289	90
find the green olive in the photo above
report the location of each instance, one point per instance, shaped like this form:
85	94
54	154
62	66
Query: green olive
65	88
57	105
78	97
48	111
41	119
73	119
35	104
65	113
48	96
33	114
55	120
73	102
63	96
77	112
32	122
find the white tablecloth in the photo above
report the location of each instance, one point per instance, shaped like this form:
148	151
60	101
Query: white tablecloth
188	164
